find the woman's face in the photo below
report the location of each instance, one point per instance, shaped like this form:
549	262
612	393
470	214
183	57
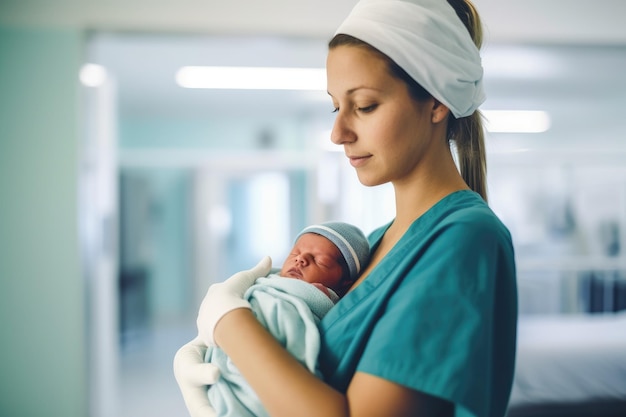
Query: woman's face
315	259
385	133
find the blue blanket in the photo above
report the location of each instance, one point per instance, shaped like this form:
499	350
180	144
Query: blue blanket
290	310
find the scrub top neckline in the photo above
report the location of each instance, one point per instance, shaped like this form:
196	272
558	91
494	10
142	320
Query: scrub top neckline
386	265
378	234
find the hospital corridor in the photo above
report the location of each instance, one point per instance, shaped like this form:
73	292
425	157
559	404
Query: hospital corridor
130	183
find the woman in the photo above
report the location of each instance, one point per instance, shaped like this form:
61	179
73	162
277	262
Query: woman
429	327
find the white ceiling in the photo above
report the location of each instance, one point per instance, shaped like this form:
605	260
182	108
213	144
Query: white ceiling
560	21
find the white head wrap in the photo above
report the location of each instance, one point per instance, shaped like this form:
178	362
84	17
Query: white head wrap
428	40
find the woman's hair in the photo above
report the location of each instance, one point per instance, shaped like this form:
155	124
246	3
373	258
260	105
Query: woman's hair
466	132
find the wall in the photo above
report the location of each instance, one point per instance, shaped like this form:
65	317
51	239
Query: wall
42	311
588	21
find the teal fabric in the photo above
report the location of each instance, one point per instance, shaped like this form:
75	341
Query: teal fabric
438	314
290	309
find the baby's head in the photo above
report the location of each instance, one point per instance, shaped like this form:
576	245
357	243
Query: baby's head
332	254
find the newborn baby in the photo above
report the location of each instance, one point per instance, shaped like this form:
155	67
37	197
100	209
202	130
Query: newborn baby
324	262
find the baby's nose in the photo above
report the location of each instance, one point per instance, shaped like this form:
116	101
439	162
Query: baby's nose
302	259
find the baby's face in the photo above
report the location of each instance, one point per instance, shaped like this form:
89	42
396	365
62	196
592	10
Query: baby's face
315	259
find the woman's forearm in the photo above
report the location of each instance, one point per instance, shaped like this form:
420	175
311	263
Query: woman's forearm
285	387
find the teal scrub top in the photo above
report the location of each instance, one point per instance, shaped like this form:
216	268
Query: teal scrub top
438	314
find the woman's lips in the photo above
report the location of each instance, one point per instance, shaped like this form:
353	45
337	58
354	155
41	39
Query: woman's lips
357	161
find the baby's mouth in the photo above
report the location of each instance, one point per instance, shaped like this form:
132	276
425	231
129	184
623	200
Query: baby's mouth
294	273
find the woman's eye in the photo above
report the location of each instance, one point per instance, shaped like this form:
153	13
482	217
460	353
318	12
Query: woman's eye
367	109
335	109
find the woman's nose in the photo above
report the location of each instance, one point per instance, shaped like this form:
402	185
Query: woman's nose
341	133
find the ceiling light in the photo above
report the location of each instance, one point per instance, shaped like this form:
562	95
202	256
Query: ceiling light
520	62
516	121
93	75
252	78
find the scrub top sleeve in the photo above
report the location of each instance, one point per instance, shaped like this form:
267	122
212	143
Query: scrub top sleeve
436	334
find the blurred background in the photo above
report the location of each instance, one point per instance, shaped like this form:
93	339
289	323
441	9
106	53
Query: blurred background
125	193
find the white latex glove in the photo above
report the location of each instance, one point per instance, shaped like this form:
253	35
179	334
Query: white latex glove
193	375
226	296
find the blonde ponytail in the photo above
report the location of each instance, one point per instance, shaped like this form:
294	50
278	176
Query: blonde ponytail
468	136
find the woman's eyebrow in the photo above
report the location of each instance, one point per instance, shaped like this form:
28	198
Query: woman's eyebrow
355	89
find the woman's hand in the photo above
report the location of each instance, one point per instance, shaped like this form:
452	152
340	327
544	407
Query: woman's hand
193	375
226	296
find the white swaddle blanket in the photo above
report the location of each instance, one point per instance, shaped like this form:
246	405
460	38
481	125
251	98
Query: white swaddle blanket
290	310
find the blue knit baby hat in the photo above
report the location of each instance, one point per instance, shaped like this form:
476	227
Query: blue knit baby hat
350	240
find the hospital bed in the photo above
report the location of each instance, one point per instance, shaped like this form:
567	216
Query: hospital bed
570	365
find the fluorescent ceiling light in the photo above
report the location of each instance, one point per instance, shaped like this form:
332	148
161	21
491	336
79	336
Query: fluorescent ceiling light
516	121
93	75
252	78
520	62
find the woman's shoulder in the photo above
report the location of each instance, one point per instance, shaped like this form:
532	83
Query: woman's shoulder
462	213
457	220
471	211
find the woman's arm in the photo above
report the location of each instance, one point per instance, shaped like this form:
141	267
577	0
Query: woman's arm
286	388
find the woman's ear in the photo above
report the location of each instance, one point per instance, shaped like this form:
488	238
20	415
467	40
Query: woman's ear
439	112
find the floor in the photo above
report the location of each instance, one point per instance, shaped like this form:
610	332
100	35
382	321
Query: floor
147	386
